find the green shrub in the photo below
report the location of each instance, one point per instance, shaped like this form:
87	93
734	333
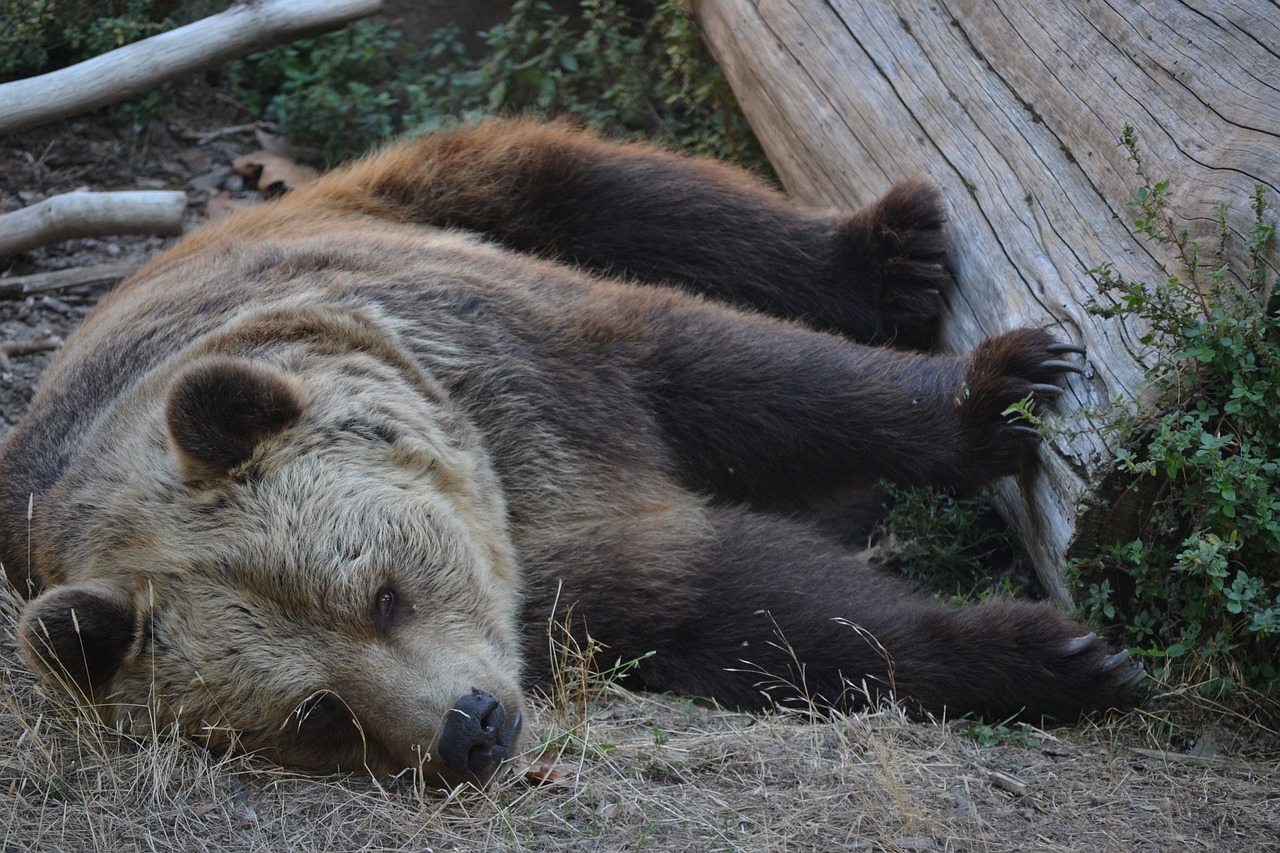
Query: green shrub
335	95
649	78
957	545
41	35
338	95
1199	586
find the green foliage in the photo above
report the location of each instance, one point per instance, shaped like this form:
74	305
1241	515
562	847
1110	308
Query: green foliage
40	35
340	94
1004	733
333	95
24	48
950	543
629	77
1201	583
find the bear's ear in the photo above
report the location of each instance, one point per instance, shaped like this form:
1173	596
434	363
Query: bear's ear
78	635
221	409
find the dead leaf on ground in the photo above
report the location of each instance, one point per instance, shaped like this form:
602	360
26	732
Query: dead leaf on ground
273	169
542	770
224	204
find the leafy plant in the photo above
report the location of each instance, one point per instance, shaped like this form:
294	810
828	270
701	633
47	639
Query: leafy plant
40	35
24	49
956	544
1200	584
629	77
1004	733
334	95
340	94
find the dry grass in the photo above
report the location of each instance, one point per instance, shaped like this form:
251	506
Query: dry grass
648	773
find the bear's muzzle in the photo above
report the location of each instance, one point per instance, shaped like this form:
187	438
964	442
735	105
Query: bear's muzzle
478	736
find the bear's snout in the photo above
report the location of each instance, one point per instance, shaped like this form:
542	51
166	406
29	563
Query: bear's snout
478	735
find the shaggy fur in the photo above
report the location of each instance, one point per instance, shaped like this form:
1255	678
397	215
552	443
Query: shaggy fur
314	482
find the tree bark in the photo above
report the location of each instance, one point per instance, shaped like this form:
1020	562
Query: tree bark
130	70
1015	109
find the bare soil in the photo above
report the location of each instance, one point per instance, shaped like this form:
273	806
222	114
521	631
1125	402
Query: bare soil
633	772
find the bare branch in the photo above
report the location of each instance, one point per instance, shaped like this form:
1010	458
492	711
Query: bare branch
19	286
89	214
239	31
45	343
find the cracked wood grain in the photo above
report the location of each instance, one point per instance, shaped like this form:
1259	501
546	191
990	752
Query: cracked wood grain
1015	109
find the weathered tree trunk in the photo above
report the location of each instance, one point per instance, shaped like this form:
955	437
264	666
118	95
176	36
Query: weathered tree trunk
1015	109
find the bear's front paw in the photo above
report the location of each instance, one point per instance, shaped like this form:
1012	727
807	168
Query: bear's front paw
901	245
1008	368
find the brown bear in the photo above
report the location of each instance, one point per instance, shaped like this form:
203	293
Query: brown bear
314	482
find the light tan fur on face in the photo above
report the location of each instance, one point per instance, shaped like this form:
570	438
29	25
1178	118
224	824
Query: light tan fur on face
258	592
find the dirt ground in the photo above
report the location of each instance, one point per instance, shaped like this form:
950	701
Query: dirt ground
635	772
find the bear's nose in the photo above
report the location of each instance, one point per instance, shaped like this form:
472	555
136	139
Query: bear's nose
478	735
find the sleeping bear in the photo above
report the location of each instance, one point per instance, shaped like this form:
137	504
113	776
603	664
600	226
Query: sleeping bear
314	483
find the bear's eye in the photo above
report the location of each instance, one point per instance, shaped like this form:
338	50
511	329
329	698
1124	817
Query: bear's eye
384	607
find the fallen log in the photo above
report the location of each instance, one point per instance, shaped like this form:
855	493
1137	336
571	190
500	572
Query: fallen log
1015	110
90	214
242	29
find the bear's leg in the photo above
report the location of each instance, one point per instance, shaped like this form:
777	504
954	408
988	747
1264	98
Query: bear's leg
768	413
779	612
631	211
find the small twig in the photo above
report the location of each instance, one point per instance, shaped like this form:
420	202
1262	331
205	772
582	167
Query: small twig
20	286
1188	758
1008	782
210	135
14	349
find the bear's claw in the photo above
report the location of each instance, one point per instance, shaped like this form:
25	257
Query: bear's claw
1079	644
1117	678
1062	366
1045	390
1123	672
1007	369
1137	675
1116	659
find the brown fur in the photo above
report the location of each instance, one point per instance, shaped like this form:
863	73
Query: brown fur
314	481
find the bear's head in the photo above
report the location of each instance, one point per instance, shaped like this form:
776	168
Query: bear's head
297	550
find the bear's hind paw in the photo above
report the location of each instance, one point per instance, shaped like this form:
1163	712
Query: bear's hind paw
1108	681
903	247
